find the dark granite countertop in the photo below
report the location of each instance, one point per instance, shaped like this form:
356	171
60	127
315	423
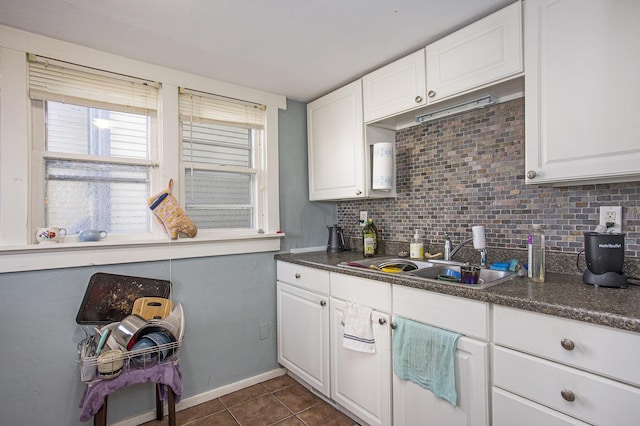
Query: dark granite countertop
560	295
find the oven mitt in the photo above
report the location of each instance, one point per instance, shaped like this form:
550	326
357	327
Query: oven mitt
168	211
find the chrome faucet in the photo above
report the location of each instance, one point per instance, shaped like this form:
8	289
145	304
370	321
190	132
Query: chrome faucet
449	252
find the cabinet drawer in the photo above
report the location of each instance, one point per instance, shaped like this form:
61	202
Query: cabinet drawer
464	316
303	276
601	350
371	293
507	406
596	400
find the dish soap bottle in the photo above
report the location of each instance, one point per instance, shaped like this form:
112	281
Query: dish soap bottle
416	248
535	246
368	240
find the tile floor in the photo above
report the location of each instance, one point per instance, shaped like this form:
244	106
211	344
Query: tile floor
280	401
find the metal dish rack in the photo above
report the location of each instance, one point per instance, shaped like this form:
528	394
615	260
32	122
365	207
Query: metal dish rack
131	360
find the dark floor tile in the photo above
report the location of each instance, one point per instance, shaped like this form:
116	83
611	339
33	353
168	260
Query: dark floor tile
290	421
198	411
324	415
264	410
242	395
163	422
278	383
223	418
297	398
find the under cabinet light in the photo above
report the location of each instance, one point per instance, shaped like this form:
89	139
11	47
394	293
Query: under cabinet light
457	109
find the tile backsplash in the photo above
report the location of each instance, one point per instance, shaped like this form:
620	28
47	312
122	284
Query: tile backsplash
468	170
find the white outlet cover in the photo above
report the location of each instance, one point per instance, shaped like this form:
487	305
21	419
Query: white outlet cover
617	213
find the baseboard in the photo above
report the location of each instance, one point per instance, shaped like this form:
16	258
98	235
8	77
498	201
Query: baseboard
204	397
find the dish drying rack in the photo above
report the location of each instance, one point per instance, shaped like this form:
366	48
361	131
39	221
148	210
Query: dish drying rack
130	360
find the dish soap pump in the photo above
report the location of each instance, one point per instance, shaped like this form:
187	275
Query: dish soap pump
416	248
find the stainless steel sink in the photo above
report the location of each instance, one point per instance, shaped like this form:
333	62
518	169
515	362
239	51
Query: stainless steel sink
404	265
434	270
442	274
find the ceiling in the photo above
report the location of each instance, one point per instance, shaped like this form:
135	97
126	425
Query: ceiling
298	48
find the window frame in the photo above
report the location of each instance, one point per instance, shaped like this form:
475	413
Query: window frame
257	157
16	157
39	154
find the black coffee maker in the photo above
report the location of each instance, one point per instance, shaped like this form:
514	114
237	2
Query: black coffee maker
604	254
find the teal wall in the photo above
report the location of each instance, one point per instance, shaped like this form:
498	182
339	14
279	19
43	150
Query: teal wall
225	299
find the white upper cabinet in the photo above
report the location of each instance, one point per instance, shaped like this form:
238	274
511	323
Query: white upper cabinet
397	87
335	133
479	54
582	77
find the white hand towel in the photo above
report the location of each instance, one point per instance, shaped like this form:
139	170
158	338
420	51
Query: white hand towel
357	330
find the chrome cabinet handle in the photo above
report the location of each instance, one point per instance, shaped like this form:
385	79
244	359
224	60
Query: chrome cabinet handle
382	321
431	93
418	99
567	344
358	192
568	395
323	303
531	174
394	325
297	275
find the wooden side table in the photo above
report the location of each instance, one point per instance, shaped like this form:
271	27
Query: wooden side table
166	377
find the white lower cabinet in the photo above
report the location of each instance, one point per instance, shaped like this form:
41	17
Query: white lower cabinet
303	324
361	382
572	368
413	405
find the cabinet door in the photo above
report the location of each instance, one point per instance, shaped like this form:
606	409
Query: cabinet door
414	405
397	87
361	382
303	335
582	71
484	52
335	133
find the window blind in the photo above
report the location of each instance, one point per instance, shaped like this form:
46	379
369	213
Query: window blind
54	80
208	108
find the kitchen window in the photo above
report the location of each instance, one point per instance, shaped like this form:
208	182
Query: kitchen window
85	146
221	152
93	148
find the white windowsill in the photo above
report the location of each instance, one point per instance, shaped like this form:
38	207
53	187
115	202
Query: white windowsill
73	254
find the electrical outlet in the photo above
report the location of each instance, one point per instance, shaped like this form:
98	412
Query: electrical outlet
611	218
363	217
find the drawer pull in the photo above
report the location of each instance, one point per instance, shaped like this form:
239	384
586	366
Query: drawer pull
568	395
323	303
394	325
382	321
567	344
297	275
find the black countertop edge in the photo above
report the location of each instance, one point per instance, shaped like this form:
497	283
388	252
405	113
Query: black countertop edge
560	295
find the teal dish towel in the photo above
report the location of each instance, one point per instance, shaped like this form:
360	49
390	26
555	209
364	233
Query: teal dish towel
426	356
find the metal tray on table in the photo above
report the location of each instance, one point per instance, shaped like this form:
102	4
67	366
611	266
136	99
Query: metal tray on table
109	297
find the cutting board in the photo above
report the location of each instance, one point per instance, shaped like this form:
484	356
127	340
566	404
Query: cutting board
152	307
